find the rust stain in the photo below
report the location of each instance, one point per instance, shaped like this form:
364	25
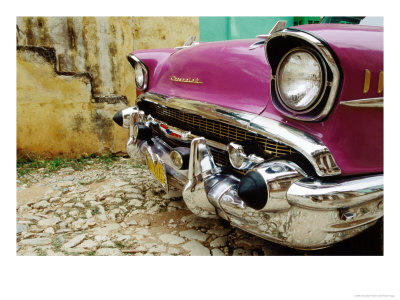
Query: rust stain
43	31
29	31
77	122
113	54
102	126
71	34
89	35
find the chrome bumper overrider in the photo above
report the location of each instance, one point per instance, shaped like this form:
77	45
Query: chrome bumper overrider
301	211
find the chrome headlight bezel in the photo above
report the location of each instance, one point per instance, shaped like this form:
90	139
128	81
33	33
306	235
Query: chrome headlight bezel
137	63
321	90
278	44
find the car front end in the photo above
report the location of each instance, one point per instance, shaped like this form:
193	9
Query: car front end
283	140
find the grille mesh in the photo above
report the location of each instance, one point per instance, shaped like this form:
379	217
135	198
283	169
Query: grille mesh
215	130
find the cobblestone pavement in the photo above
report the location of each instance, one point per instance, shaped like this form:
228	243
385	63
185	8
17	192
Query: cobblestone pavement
121	210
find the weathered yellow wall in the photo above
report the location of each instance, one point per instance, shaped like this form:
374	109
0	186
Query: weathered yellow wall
86	44
69	115
163	32
56	115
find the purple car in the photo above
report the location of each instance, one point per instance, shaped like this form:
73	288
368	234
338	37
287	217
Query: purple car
282	136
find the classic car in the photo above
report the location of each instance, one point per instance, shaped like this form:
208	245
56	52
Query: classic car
282	135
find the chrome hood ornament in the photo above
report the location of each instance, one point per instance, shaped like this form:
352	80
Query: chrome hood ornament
278	26
191	41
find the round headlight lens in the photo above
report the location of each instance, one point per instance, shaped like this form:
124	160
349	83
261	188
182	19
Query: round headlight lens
139	75
299	80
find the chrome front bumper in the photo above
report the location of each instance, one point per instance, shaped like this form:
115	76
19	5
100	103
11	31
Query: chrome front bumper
301	212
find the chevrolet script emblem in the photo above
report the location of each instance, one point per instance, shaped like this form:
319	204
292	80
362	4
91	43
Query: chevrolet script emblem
186	80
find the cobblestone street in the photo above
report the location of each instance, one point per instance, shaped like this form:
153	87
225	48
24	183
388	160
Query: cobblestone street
120	209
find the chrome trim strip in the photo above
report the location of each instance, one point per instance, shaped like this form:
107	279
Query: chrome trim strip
146	71
330	61
313	149
211	111
368	102
319	195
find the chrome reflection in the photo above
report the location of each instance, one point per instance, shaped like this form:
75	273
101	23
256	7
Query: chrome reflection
370	102
201	167
316	194
329	60
126	115
209	192
133	59
236	152
279	176
310	147
190	42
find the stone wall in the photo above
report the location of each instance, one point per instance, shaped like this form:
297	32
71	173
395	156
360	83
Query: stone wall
72	76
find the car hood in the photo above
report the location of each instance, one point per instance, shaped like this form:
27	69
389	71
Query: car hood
225	73
229	74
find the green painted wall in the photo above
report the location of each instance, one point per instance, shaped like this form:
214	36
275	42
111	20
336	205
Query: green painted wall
229	28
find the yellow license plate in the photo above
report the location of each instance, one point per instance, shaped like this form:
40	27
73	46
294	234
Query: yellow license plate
157	169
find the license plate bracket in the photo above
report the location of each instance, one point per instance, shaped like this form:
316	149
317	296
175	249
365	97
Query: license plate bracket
157	167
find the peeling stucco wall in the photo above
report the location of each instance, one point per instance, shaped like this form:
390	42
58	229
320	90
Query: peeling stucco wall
73	76
56	114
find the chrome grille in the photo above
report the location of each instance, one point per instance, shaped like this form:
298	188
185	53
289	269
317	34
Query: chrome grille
220	157
215	130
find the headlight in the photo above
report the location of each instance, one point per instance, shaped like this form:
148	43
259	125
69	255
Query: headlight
139	75
299	80
141	72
